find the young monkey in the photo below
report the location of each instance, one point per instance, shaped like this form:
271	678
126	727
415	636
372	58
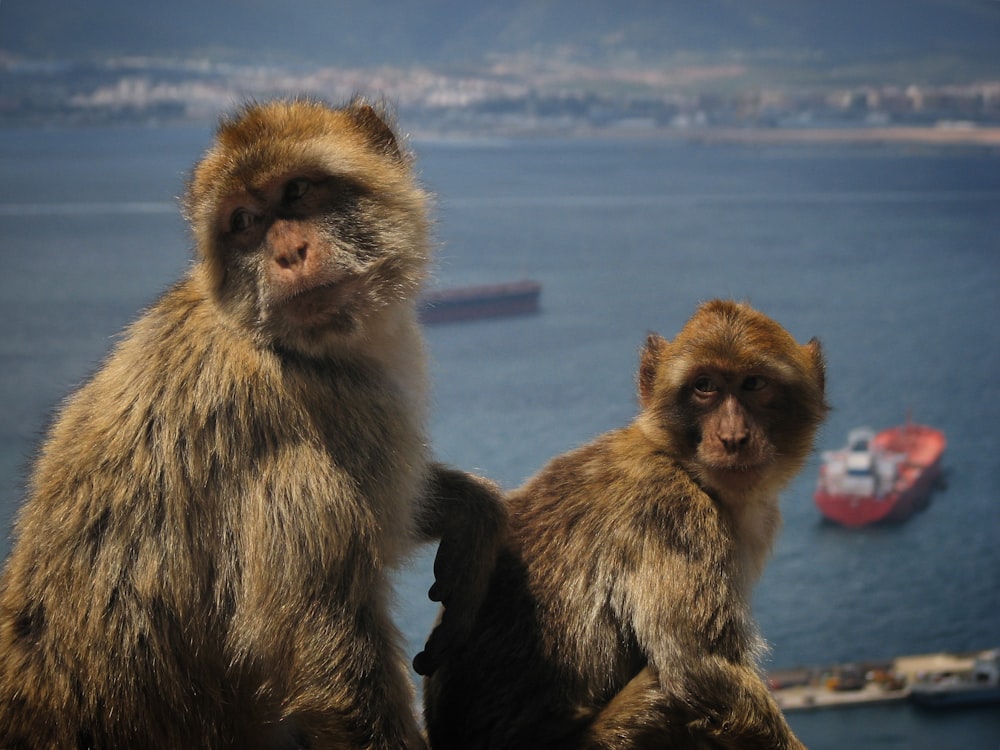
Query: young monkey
619	612
204	556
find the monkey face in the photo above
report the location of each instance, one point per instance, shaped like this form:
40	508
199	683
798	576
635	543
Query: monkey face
733	397
728	411
309	223
304	257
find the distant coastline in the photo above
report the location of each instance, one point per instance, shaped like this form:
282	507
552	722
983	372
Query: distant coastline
930	136
933	136
702	102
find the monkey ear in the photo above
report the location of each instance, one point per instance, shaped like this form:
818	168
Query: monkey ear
815	352
379	134
652	355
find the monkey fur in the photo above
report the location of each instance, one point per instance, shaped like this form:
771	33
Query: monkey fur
619	612
203	559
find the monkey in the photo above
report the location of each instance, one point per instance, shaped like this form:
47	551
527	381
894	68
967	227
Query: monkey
205	551
618	615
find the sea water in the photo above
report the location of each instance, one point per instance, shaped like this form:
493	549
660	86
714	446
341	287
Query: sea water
890	255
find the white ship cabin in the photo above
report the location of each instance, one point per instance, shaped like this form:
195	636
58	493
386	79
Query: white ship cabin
860	469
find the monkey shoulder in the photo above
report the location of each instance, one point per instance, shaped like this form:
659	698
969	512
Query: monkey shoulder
615	504
620	523
612	486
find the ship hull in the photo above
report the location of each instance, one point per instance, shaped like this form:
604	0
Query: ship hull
958	697
923	447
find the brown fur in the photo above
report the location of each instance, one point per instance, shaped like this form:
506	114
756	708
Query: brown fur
204	556
619	614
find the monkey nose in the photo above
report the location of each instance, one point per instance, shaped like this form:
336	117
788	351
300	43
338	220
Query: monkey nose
292	256
733	443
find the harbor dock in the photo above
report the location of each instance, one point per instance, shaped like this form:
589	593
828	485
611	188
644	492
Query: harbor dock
861	683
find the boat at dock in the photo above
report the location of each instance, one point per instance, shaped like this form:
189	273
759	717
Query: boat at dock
880	476
970	687
938	680
479	302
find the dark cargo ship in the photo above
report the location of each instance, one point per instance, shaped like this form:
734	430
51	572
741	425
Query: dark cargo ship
479	302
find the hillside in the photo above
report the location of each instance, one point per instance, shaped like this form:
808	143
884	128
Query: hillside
957	33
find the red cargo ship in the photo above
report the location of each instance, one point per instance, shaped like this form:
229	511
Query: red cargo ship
478	302
885	476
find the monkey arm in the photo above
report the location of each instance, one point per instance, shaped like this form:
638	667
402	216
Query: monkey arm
641	715
315	631
709	672
467	515
725	706
717	704
735	708
702	687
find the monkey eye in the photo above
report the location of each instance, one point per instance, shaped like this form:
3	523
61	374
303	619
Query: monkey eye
240	220
754	383
295	189
704	384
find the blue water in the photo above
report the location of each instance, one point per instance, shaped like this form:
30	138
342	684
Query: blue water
890	255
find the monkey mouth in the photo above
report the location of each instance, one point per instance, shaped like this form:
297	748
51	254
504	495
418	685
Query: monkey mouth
319	306
734	461
736	468
732	477
740	472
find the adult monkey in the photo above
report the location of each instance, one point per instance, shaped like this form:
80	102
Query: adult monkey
204	556
619	613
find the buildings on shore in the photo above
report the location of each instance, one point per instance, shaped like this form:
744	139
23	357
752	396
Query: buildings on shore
498	99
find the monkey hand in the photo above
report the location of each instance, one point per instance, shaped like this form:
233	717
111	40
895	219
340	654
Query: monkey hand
459	606
468	516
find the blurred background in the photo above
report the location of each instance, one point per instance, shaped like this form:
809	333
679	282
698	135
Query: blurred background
520	66
836	164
